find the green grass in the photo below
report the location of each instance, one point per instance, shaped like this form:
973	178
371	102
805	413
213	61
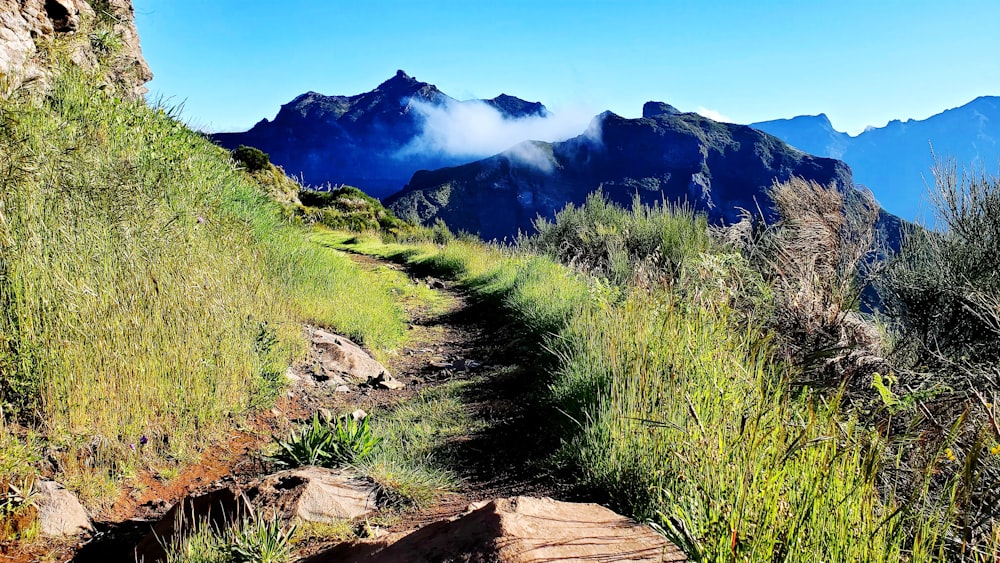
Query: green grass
680	413
148	288
408	467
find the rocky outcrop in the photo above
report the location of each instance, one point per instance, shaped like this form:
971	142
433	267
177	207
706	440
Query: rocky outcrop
520	530
59	511
98	30
312	494
338	360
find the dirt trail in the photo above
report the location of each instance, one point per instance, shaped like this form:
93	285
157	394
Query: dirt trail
507	373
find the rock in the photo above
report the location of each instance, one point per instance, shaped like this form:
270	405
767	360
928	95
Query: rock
520	530
442	365
465	365
386	381
292	376
343	389
59	511
339	356
359	414
312	494
25	23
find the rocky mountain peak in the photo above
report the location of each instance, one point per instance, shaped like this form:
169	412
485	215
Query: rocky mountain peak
656	109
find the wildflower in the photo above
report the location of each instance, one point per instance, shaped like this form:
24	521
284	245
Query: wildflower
995	450
131	447
948	453
144	440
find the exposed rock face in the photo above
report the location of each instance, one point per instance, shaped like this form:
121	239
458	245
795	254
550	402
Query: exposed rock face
521	530
26	24
716	167
59	511
359	140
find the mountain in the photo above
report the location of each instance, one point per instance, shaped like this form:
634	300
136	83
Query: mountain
358	140
717	167
895	161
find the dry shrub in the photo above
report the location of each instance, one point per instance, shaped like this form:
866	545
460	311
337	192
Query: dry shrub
811	256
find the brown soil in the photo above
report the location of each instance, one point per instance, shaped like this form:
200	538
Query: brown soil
504	459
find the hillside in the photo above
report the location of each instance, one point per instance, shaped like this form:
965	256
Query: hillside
359	140
895	161
716	167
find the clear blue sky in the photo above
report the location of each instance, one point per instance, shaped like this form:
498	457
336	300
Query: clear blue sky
861	62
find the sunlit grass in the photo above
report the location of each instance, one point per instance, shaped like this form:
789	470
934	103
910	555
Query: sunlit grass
152	294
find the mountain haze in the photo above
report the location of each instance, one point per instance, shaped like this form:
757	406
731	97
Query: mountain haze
716	167
895	161
362	140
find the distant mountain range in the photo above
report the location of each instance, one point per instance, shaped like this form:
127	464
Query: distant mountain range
716	167
895	161
360	140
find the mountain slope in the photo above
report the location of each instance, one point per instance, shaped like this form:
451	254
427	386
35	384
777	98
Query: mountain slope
357	140
717	167
895	161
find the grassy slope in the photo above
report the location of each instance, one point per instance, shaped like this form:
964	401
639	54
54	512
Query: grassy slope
682	416
148	288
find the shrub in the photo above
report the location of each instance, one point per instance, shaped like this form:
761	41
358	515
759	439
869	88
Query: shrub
252	158
334	443
811	258
606	240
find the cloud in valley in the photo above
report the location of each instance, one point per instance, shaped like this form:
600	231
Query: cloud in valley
473	129
713	114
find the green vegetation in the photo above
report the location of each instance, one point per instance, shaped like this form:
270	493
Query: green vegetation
701	389
254	539
252	158
330	443
150	294
347	208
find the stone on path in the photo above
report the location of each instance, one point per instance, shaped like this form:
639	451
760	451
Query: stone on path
520	530
59	511
338	357
312	494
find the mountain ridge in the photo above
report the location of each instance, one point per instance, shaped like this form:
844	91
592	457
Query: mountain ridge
359	139
895	160
718	168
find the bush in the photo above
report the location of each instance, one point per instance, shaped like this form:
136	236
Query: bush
606	240
811	258
253	159
327	443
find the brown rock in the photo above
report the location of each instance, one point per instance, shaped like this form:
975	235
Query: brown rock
218	508
59	511
339	356
520	530
312	494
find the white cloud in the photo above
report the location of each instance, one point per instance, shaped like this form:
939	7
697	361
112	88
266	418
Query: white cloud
474	129
713	114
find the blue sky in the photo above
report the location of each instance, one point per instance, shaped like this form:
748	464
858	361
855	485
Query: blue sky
232	63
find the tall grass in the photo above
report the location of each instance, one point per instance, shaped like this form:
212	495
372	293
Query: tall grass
682	411
150	292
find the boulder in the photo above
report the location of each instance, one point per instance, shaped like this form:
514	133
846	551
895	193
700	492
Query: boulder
59	511
312	494
338	357
519	530
25	23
